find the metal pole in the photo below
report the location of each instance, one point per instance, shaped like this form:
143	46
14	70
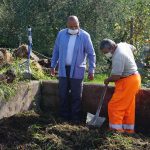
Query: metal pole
29	46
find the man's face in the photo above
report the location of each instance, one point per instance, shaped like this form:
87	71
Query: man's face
106	50
73	24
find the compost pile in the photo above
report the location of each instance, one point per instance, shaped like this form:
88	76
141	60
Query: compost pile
15	63
29	130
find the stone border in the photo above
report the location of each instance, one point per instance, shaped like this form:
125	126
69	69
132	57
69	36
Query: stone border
91	96
45	96
23	100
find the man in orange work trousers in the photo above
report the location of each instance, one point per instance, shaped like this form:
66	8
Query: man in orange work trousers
121	107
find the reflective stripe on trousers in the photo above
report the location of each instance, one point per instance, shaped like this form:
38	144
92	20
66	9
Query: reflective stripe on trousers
121	126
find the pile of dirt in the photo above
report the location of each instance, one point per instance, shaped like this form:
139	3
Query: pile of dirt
5	57
29	131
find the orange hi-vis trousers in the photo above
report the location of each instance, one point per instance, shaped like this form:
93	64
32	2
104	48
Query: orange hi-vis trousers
121	107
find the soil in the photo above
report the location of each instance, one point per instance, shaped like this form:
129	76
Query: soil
31	131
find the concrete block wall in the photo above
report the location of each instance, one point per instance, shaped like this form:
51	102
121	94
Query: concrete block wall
22	101
49	100
45	95
91	97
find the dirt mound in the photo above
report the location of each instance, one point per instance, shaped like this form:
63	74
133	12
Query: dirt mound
8	76
44	63
31	131
5	56
21	51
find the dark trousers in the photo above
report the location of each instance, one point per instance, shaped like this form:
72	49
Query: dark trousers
70	94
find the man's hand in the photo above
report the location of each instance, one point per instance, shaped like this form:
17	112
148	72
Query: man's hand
91	76
112	78
106	81
52	72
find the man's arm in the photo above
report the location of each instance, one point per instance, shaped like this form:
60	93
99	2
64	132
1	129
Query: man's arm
91	57
55	56
112	78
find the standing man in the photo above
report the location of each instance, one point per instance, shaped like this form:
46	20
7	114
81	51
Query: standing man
121	107
72	46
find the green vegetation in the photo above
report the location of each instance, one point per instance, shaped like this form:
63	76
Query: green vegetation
38	74
98	78
120	20
50	16
7	90
128	22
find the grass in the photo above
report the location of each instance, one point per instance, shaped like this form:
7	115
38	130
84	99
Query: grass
9	90
98	78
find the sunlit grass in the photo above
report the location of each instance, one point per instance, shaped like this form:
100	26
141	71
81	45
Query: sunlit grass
98	79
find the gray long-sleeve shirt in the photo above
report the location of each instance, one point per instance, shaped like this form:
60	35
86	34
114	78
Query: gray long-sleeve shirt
123	62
